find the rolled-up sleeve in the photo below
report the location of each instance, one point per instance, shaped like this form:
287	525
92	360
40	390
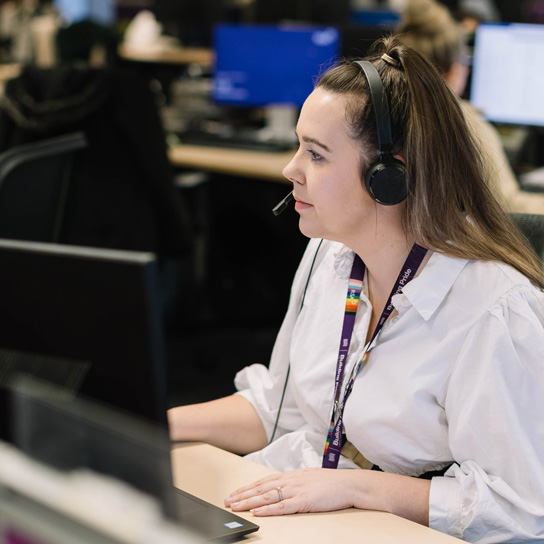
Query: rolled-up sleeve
494	493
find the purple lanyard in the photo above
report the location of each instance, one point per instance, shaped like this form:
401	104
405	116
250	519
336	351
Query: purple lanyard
333	446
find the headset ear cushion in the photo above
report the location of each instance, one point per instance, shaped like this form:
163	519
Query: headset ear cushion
386	182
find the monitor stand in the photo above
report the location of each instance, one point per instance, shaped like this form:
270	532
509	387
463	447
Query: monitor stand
280	124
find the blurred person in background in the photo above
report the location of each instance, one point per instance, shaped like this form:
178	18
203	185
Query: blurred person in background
429	28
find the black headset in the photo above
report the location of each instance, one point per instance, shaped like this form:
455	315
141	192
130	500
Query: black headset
386	180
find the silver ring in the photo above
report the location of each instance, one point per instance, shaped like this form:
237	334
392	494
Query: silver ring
279	493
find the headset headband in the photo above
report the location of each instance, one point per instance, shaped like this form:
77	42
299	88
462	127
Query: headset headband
381	107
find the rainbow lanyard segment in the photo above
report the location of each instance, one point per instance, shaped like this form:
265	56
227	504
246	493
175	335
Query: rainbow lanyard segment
333	445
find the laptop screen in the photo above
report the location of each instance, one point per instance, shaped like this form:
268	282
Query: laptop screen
67	432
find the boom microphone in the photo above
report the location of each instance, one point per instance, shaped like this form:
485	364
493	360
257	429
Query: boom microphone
281	207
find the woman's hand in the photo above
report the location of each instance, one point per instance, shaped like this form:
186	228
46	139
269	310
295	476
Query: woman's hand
325	490
307	490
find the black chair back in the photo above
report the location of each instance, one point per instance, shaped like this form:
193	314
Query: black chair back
34	183
532	226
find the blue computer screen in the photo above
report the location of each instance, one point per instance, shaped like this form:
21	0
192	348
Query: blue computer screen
259	65
103	12
507	77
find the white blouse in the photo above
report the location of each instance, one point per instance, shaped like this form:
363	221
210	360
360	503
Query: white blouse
457	377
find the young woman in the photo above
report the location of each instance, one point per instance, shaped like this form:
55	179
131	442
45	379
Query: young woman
413	346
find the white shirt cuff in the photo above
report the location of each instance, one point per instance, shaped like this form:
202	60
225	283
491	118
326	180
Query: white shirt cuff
445	505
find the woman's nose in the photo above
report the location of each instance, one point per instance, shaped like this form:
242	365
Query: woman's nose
292	171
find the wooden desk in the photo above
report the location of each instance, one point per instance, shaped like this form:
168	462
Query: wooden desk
166	55
211	474
253	164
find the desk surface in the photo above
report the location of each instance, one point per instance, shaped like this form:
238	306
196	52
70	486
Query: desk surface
211	474
166	55
253	164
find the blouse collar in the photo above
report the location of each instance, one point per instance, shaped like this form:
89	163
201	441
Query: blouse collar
427	291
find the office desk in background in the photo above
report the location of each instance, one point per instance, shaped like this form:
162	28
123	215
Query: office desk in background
211	474
237	162
166	55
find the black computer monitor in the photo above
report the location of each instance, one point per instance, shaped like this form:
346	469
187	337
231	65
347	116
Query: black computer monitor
357	39
507	85
95	313
189	21
321	12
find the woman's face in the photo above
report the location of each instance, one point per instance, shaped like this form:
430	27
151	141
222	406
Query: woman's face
330	197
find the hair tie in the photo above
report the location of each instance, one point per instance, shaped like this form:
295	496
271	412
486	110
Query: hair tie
390	60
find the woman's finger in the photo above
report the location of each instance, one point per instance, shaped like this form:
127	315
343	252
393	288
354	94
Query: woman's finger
259	484
277	509
274	501
267	493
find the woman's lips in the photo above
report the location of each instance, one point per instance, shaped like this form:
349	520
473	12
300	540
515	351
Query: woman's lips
301	205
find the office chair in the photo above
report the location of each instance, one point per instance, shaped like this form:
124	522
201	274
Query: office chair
532	226
122	195
34	181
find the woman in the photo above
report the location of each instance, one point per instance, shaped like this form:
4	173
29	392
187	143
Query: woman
446	406
429	28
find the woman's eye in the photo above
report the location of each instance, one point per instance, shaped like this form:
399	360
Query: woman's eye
314	156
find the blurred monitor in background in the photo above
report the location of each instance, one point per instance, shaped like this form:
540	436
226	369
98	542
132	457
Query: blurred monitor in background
189	21
271	66
103	12
506	84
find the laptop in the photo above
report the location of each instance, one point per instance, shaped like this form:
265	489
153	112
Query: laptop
69	432
89	321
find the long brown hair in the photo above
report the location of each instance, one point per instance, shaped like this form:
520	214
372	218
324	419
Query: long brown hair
450	208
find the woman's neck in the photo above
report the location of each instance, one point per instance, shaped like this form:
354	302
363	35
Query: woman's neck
383	258
383	265
382	270
382	244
